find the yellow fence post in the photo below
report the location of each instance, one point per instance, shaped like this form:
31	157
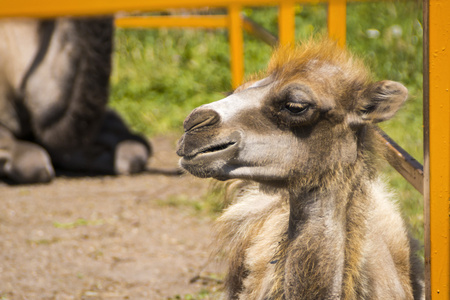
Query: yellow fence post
286	22
236	45
337	21
437	148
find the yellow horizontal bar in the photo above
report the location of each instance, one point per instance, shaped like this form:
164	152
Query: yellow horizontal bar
55	8
172	21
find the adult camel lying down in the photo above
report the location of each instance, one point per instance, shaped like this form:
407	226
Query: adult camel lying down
54	81
311	219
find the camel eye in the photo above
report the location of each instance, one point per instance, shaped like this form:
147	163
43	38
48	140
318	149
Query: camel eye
297	108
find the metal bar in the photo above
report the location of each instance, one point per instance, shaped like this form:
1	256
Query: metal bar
437	140
236	45
404	163
286	22
426	150
337	21
258	31
56	8
220	21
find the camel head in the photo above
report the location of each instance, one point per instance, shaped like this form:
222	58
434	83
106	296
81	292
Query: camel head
306	115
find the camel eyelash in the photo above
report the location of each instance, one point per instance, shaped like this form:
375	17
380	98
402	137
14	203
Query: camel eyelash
297	108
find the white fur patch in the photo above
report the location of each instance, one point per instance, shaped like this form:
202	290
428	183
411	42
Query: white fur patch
260	83
269	214
247	99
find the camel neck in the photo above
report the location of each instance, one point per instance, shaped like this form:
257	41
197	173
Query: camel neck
330	199
327	225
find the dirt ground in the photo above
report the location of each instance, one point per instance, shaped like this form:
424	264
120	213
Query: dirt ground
106	237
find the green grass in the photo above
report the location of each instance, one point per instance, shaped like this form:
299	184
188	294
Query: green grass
210	205
77	223
161	75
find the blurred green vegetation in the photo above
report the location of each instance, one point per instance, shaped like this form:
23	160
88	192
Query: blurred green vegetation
161	75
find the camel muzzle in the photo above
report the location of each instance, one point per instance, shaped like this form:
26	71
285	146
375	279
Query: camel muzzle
201	118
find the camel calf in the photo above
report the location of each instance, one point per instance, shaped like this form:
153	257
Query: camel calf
312	220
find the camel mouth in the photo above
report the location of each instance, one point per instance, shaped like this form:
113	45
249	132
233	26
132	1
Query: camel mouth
211	149
204	157
209	160
217	148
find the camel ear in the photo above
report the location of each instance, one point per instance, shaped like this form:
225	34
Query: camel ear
381	101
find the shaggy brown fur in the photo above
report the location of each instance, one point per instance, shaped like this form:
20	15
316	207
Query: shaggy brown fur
312	221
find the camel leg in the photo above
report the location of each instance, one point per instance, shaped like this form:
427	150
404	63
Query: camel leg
131	151
115	150
23	162
130	157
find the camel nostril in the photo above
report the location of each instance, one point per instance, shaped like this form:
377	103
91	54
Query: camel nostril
201	117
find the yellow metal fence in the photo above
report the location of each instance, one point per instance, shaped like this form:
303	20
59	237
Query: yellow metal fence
232	21
437	147
436	184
